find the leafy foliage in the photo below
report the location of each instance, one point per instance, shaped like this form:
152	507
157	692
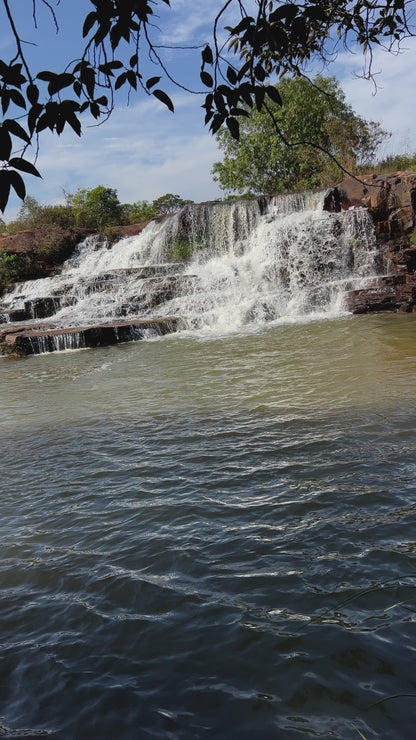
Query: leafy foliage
97	208
279	38
139	212
315	112
168	204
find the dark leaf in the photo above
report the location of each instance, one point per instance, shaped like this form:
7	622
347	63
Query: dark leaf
244	69
95	111
288	11
17	98
32	94
77	88
206	54
17	183
133	60
131	76
59	82
5	100
239	112
206	79
42	123
315	13
102	101
274	94
259	93
242	26
233	127
59	125
24	166
165	99
120	80
12	75
231	75
88	23
102	32
88	79
217	122
152	81
5	144
5	183
115	36
46	76
16	129
74	123
219	102
107	68
259	72
33	116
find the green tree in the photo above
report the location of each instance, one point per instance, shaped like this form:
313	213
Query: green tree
96	208
168	204
261	161
119	36
139	212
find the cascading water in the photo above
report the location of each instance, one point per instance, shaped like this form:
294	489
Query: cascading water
249	262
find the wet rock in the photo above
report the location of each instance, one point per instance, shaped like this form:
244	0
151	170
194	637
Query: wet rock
391	200
385	293
31	340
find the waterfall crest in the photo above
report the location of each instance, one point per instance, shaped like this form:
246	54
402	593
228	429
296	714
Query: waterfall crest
219	266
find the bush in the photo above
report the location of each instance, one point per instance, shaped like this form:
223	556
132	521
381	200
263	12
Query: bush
15	266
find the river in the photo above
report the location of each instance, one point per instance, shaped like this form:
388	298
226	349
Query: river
212	536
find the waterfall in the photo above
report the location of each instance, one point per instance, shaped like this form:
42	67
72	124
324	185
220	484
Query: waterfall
219	266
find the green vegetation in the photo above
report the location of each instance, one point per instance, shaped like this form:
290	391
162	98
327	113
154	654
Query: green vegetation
96	208
121	48
260	162
13	266
392	163
55	230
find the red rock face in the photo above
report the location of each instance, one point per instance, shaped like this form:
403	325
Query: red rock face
391	200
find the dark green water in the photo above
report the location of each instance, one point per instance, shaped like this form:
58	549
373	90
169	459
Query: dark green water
212	539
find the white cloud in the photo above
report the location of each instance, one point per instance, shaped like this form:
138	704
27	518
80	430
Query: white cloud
143	151
392	103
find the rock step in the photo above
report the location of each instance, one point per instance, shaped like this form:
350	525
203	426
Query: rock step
38	340
154	290
385	293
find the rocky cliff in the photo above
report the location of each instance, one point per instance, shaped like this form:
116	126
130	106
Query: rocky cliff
391	200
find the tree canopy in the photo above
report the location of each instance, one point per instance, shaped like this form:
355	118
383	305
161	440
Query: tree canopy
265	39
261	162
97	207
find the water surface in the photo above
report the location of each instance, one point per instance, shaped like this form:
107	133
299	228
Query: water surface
212	538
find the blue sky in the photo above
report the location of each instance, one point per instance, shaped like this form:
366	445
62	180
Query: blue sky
144	150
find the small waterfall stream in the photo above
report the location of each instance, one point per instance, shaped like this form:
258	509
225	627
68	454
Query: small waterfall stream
218	266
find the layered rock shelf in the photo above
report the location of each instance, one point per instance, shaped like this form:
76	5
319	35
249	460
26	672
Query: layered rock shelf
31	340
385	293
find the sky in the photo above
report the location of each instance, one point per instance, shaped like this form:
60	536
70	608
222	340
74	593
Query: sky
143	150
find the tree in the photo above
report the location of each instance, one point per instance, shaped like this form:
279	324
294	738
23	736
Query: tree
139	212
169	203
279	38
260	162
96	208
